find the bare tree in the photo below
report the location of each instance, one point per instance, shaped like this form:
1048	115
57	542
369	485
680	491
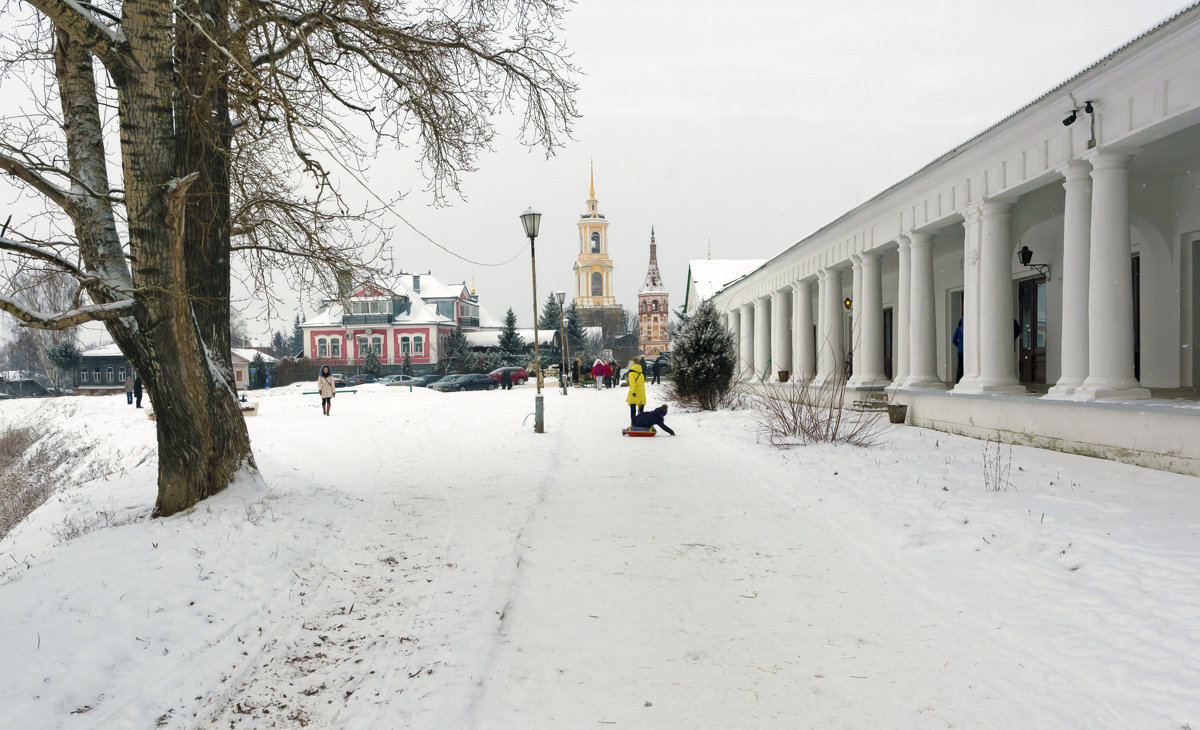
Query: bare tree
226	120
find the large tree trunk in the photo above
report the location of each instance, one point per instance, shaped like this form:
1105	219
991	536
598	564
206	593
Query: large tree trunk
179	241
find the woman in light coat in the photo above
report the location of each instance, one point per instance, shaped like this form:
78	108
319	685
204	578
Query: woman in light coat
637	391
326	388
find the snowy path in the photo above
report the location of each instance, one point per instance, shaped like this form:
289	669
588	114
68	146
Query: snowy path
420	560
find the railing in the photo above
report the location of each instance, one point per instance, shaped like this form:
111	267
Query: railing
360	319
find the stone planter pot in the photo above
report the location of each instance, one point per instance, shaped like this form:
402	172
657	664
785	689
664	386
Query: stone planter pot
897	413
784	375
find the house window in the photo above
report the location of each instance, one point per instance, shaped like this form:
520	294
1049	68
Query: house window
108	373
96	375
239	375
418	345
597	284
362	346
322	347
377	345
83	376
335	347
405	345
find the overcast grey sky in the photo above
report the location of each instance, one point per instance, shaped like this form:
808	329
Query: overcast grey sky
750	125
746	124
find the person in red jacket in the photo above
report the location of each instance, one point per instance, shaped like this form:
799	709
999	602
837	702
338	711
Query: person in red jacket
598	373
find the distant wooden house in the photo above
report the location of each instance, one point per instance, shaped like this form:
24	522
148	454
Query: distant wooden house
103	370
24	384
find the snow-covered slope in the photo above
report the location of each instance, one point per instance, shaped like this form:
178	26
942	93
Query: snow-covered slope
425	560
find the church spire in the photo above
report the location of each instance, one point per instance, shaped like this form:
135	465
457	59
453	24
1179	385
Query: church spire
653	278
592	168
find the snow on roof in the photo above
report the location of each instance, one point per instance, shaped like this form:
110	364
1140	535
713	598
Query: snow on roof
109	350
430	286
491	337
707	276
248	354
487	319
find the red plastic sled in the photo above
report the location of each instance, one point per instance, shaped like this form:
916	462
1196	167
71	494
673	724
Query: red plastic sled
638	431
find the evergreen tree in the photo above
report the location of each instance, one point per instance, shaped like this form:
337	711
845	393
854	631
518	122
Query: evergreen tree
703	358
406	366
550	314
371	364
576	335
65	356
279	345
512	345
457	354
297	344
259	375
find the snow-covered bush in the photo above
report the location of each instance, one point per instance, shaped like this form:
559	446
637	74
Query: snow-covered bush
703	359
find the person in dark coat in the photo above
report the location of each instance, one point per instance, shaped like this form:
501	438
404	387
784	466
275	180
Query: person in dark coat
957	340
575	371
653	418
137	391
654	372
506	379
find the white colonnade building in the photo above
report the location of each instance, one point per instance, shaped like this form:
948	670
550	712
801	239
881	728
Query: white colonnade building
1092	347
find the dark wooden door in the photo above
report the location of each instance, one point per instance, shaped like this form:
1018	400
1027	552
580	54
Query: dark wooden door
1032	340
887	343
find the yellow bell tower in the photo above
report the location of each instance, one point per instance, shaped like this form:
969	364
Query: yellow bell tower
593	268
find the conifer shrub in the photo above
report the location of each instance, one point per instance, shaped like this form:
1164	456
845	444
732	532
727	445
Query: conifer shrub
703	358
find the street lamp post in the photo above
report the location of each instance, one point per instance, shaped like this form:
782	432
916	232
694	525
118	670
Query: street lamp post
532	220
561	296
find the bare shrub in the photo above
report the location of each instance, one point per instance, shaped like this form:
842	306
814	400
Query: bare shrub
732	399
997	465
813	413
25	482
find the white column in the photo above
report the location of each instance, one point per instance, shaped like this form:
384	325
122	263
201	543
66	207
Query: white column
747	341
972	223
852	347
904	283
822	347
781	330
735	328
868	356
832	347
922	327
997	354
762	337
1077	233
803	342
1110	288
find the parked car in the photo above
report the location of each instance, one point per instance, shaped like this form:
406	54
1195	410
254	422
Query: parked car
423	380
361	378
339	380
475	381
400	379
519	376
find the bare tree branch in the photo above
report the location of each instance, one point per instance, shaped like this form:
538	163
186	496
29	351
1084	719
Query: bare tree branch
78	20
66	320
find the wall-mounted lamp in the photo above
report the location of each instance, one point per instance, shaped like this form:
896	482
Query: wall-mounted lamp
1088	109
848	303
1025	256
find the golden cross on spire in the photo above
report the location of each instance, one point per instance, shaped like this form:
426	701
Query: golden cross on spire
592	165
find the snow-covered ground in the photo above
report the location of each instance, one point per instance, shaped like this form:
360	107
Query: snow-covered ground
424	560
